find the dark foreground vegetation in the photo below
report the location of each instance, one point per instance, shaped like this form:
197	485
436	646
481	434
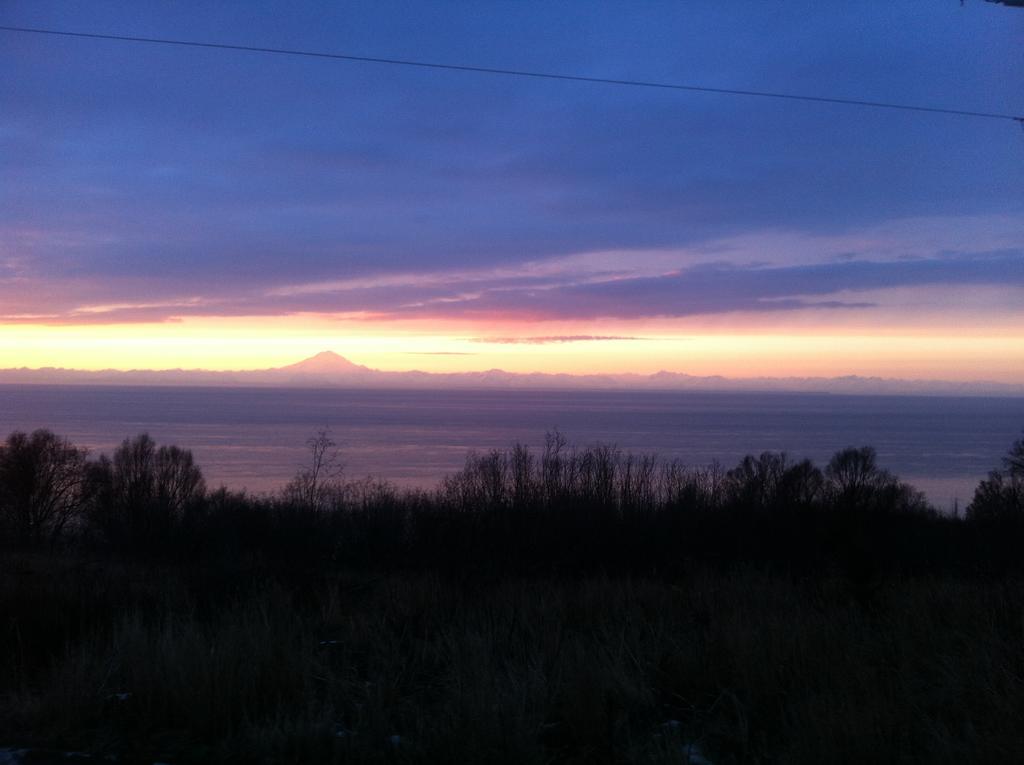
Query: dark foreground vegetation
570	606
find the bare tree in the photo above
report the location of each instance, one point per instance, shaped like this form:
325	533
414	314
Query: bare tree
134	479
853	474
1001	495
178	480
801	485
315	486
1013	462
144	490
755	481
42	485
553	466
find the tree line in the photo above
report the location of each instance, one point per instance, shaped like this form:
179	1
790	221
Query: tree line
561	506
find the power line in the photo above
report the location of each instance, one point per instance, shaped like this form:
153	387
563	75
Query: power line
522	73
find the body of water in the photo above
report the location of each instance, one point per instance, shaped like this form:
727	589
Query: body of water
255	438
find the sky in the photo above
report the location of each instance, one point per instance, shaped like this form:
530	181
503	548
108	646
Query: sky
180	207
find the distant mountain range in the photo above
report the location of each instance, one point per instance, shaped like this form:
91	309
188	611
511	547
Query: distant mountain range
329	369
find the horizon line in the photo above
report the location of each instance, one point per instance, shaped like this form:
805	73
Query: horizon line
352	372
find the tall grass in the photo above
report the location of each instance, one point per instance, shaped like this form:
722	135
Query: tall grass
751	667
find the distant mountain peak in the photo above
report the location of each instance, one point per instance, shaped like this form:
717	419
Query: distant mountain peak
330	369
324	363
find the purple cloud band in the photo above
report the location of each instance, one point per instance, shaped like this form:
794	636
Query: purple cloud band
709	289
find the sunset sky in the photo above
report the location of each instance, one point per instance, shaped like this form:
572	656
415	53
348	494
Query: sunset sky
179	207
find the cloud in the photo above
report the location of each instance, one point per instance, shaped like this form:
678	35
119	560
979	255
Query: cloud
569	292
64	320
548	339
210	168
718	288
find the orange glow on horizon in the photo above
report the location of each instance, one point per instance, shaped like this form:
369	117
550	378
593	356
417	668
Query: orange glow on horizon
697	347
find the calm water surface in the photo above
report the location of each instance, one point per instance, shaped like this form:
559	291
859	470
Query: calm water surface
255	438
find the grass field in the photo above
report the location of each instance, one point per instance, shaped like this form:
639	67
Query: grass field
219	665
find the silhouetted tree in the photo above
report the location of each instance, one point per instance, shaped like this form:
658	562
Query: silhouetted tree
179	481
754	483
318	486
853	472
1013	462
855	482
638	490
801	485
42	486
144	490
552	466
521	466
134	476
1000	497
